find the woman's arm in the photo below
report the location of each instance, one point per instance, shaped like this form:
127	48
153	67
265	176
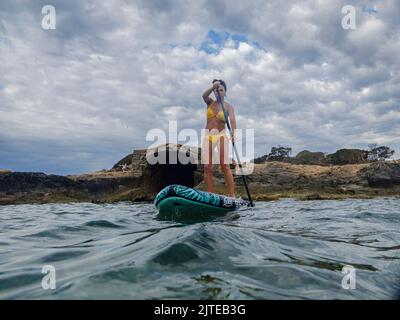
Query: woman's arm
206	93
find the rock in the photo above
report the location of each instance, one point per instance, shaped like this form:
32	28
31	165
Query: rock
269	181
28	187
382	174
28	181
125	161
313	196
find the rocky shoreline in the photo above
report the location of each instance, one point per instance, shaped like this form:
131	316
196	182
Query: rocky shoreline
269	181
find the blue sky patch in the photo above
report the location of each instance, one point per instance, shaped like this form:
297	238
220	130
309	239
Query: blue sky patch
215	41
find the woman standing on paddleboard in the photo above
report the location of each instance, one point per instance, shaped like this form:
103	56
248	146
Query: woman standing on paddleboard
216	136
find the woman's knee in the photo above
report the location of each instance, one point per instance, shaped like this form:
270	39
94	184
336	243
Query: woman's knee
208	169
225	168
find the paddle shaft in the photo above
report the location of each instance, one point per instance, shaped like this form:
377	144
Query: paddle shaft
219	98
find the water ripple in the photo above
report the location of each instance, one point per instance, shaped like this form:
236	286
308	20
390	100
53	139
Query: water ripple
280	250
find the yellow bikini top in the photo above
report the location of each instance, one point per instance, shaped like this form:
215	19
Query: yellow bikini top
219	115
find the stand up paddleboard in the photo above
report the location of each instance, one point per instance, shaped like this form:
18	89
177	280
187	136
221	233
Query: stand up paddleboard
180	202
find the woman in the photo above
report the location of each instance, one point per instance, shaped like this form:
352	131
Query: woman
216	136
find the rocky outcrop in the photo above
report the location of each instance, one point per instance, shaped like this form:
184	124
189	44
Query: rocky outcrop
28	187
274	180
124	162
277	176
27	181
382	174
270	180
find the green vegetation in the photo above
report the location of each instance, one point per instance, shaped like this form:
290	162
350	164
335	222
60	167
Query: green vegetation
340	157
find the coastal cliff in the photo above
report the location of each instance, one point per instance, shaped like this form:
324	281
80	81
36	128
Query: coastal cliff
269	181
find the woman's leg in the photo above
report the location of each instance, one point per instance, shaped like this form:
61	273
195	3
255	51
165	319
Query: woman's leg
207	161
224	162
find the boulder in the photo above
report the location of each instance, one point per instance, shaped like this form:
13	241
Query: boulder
382	174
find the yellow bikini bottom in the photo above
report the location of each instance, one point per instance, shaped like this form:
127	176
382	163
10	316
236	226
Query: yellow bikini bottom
214	138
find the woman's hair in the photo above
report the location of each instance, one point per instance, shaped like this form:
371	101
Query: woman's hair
222	82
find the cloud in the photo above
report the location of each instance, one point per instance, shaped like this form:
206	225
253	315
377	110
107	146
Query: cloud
81	97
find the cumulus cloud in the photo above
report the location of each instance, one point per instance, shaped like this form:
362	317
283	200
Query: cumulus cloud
80	97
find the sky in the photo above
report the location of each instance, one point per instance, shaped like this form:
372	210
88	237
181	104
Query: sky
80	97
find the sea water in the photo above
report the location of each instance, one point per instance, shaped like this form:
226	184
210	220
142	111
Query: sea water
286	249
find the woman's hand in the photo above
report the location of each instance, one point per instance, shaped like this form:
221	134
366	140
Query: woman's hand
206	94
215	85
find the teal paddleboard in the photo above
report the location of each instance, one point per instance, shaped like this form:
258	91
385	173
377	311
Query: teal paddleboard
179	202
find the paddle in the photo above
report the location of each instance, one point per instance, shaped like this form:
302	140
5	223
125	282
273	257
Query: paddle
221	101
